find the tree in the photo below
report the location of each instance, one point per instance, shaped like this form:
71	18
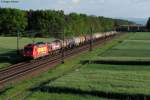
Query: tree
54	23
46	21
12	20
148	24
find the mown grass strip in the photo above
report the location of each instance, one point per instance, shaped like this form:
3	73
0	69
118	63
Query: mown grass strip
113	81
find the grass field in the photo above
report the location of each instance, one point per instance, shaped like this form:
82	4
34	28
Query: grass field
112	79
24	89
137	45
8	47
76	81
106	80
61	96
140	36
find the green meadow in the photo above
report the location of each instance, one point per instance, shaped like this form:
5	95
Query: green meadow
77	81
8	47
136	46
107	80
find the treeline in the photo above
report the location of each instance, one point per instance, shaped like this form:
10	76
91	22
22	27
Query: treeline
50	22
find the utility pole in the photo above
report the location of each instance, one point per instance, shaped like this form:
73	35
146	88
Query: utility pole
32	34
18	42
138	28
128	28
62	51
91	40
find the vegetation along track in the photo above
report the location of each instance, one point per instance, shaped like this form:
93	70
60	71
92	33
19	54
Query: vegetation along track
22	70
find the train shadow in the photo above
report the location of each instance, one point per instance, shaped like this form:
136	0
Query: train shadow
75	91
10	57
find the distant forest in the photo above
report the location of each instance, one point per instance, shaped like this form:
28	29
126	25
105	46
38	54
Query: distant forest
53	23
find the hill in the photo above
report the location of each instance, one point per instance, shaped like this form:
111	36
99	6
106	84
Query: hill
141	21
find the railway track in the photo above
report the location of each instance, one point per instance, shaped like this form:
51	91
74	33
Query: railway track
26	69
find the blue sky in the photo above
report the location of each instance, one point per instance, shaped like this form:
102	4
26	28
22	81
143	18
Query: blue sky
108	8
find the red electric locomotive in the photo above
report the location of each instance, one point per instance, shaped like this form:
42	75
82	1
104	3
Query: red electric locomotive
37	50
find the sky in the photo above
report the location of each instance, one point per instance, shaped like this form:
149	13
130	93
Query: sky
107	8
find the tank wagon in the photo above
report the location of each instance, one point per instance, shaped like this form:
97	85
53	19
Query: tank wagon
54	46
77	41
41	49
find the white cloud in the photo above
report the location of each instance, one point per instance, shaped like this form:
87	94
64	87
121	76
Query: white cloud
76	1
139	1
69	1
61	1
111	8
96	1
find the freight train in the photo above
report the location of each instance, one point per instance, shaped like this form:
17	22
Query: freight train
41	49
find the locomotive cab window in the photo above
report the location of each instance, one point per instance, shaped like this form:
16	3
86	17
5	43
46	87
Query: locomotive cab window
28	49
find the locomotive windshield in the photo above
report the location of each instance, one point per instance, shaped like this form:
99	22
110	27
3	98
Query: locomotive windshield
28	49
